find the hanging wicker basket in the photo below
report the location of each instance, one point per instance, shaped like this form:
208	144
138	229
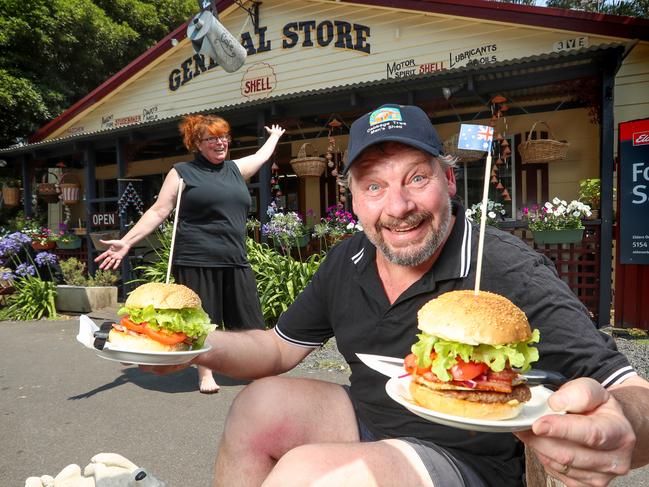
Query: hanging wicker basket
542	150
305	165
463	155
11	196
47	191
70	189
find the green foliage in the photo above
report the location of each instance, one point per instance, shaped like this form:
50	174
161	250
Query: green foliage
637	8
43	42
33	299
280	278
104	278
589	192
156	270
74	274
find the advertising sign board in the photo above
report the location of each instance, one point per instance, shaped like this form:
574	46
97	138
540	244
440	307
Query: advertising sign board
634	192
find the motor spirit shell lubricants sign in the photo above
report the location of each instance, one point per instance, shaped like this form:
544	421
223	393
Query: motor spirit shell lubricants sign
634	192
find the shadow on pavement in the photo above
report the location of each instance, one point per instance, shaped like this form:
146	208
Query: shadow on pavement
185	380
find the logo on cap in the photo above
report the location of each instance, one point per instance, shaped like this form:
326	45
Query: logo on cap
385	114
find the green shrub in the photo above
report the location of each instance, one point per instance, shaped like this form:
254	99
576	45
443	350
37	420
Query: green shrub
74	274
156	270
33	299
280	278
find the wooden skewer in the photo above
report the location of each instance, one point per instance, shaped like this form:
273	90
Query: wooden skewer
483	220
173	233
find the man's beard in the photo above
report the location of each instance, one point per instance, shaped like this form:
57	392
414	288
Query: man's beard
413	256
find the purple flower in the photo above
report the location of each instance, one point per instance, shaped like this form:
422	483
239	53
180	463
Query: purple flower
45	258
6	276
25	269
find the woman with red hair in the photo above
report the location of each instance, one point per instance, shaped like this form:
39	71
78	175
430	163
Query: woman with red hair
209	251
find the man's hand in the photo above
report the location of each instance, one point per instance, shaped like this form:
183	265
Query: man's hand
589	445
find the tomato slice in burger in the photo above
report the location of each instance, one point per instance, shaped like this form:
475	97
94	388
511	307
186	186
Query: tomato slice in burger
128	323
158	336
467	370
166	338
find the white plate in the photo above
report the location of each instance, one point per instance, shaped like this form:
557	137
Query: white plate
150	358
537	406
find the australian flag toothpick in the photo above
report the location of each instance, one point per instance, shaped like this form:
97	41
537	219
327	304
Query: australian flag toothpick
475	137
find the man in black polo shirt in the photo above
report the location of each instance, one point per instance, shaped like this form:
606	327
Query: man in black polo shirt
417	244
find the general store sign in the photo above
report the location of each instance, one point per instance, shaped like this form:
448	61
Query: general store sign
303	33
634	192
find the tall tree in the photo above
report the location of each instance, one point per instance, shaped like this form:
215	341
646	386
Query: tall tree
53	52
633	8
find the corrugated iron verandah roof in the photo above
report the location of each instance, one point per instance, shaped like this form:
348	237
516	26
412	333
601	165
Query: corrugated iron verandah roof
476	81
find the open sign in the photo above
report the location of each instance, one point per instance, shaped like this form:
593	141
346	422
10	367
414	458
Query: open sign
104	219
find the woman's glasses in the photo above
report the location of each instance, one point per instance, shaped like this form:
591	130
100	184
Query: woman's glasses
224	139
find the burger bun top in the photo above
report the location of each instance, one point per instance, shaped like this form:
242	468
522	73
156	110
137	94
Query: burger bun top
163	296
464	317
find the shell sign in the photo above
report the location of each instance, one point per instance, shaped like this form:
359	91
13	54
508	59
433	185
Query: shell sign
258	81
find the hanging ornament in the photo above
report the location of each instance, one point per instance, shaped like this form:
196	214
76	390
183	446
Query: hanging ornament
494	179
274	167
130	198
506	196
499	186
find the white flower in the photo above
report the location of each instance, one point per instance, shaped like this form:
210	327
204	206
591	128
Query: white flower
491	214
555	200
548	205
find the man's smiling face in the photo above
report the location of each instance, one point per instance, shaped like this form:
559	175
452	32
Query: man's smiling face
402	195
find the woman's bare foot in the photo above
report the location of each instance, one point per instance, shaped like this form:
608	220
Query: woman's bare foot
206	382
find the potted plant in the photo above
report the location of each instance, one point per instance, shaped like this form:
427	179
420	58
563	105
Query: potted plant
11	191
43	239
495	213
337	225
286	230
589	193
68	241
557	221
82	293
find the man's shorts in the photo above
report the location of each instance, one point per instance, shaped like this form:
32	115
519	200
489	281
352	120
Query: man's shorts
443	469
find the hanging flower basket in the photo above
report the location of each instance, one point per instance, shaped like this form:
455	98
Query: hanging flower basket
11	196
70	189
564	236
305	165
463	155
47	191
542	150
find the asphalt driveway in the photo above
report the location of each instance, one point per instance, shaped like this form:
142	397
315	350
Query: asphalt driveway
62	404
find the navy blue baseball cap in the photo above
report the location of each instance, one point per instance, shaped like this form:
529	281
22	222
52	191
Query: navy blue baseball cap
397	123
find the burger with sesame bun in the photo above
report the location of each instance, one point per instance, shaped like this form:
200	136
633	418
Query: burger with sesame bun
469	356
161	318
